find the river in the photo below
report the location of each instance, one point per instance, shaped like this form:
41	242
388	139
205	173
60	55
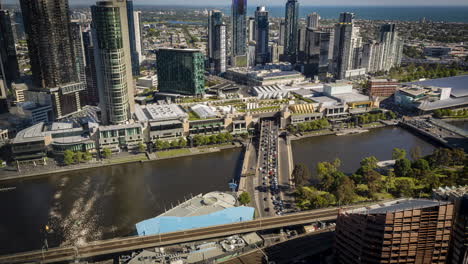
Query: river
353	148
107	202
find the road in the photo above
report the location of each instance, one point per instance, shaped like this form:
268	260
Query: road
284	171
120	245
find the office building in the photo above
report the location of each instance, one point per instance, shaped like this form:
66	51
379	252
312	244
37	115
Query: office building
347	49
76	32
216	42
382	87
9	70
180	71
405	231
261	32
18	20
133	38
318	52
276	51
282	33
52	53
239	32
251	29
301	45
91	92
291	32
313	20
113	61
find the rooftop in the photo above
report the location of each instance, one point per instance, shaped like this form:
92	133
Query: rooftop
155	112
440	104
352	97
203	204
398	206
459	84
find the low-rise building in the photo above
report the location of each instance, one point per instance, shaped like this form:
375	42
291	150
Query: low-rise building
436	51
270	92
382	87
269	74
33	113
118	137
148	81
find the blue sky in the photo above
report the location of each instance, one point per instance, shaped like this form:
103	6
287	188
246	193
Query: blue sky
282	2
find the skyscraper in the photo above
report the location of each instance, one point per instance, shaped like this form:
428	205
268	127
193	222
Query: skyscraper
239	32
393	46
113	61
133	38
52	53
347	44
91	93
301	44
251	29
138	29
180	71
261	32
291	34
282	33
9	70
216	41
313	20
319	52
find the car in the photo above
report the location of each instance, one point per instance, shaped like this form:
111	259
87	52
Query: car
267	209
265	199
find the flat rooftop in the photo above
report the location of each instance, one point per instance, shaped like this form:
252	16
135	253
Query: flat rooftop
398	206
352	97
459	84
202	204
155	112
441	104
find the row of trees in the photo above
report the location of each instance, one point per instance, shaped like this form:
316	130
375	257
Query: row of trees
444	167
200	140
309	126
70	157
370	118
448	112
163	145
411	72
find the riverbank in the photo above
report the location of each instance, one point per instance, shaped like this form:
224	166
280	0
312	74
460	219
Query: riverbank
48	170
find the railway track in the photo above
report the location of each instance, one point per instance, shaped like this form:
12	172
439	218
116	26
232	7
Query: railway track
133	243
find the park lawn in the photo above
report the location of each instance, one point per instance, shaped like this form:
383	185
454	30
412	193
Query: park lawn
138	157
173	153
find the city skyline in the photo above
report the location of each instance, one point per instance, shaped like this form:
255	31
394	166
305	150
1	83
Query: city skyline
304	3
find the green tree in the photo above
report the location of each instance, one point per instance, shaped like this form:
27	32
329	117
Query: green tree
390	115
398	153
345	192
141	147
301	174
182	142
174	144
390	182
79	157
106	153
165	144
158	144
405	187
87	156
244	198
68	157
402	168
374	182
369	163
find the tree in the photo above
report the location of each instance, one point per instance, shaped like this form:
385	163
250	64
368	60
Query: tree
415	152
174	144
405	187
106	153
345	192
158	144
390	115
390	181
301	174
182	142
369	163
398	153
402	167
141	147
244	198
374	182
326	174
87	156
68	157
79	156
165	144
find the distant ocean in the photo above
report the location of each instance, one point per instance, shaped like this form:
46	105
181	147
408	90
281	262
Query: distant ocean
402	13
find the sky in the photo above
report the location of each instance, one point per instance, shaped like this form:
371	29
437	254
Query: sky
282	2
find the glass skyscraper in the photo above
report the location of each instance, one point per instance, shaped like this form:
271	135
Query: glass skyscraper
180	71
113	61
133	39
239	30
291	34
216	41
261	32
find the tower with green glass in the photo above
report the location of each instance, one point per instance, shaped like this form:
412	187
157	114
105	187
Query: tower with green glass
113	61
181	71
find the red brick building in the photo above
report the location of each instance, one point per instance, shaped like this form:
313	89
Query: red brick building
382	87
